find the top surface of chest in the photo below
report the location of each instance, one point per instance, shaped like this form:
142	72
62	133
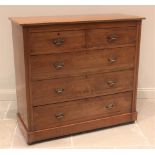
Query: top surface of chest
73	19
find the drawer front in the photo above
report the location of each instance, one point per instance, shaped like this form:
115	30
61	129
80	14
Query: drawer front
54	42
111	37
81	110
60	90
70	64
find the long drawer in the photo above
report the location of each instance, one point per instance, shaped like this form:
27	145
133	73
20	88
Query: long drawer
65	89
70	64
81	110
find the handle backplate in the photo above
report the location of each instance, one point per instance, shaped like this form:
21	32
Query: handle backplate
58	65
112	60
59	115
110	106
59	90
112	38
58	41
111	83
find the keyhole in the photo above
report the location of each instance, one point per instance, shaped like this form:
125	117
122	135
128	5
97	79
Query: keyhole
58	34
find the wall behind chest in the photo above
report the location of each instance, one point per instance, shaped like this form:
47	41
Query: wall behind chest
146	82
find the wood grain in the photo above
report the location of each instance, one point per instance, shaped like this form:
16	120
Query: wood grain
75	128
138	37
82	62
44	42
21	73
73	19
110	37
45	92
81	110
80	26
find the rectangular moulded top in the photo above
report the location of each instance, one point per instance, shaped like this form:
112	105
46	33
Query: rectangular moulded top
44	20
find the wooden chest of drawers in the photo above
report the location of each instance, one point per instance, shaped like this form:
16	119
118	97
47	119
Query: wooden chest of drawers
76	73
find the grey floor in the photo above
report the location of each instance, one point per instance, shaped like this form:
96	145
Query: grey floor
138	135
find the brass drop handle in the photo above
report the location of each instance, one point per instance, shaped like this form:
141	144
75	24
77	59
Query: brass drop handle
58	65
59	115
112	60
58	41
111	83
59	90
112	38
110	106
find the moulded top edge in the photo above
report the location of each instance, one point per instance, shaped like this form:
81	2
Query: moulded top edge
73	19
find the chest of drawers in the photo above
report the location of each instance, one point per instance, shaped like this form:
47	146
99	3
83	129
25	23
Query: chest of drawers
75	74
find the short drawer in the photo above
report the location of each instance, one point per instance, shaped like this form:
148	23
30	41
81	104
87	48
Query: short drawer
65	89
54	42
81	110
70	64
111	37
